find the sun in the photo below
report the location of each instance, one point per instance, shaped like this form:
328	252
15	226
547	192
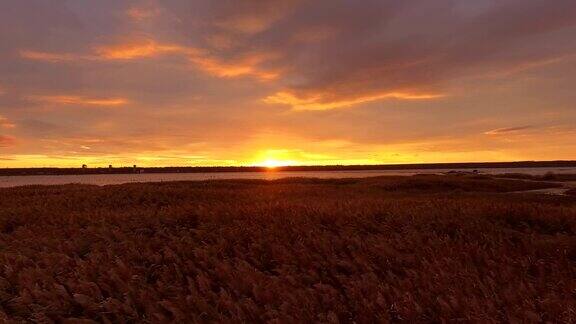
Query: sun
273	163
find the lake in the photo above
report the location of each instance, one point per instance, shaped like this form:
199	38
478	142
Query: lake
112	179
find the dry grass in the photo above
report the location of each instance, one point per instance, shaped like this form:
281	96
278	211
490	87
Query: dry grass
418	249
550	176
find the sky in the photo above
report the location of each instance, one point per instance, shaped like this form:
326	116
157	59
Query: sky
285	82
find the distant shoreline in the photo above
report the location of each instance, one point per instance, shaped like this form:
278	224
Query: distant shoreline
426	166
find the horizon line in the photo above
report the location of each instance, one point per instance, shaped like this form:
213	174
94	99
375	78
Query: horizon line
301	165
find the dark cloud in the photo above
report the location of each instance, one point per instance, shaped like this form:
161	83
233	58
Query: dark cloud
349	51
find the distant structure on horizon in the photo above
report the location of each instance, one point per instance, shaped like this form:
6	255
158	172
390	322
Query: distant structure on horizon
84	166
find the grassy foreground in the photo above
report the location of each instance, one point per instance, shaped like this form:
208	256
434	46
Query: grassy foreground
417	249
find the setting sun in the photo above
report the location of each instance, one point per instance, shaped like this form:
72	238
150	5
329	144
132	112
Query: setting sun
272	163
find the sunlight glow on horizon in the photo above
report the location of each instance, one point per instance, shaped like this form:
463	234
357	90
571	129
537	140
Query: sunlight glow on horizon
270	159
273	164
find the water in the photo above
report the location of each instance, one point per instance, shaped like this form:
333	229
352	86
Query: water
112	179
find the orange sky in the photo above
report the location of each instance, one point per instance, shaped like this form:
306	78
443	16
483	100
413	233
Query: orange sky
298	82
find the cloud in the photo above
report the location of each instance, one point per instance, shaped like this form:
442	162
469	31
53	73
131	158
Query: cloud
137	49
509	130
49	57
532	64
5	123
129	50
79	100
370	73
250	17
6	141
317	103
143	12
361	50
247	65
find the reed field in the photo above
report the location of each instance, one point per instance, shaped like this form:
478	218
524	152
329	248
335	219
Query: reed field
387	249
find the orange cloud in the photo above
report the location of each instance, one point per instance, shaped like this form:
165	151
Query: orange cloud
126	51
5	123
48	57
245	66
136	50
78	100
319	103
6	141
509	130
248	66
